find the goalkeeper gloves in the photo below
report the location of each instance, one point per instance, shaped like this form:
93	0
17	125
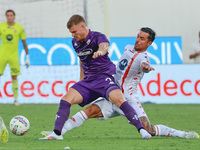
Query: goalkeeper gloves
27	62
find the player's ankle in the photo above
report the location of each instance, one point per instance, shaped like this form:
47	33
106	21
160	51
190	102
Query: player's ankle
140	129
57	132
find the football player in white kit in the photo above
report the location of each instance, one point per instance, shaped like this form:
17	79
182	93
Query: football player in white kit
129	71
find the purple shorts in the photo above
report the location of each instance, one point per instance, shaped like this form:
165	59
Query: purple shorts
93	87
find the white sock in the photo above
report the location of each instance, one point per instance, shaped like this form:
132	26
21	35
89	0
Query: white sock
162	130
75	121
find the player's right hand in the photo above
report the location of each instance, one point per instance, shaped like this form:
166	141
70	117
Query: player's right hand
146	67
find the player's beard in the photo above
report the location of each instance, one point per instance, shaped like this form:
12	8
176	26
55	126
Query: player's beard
139	47
136	47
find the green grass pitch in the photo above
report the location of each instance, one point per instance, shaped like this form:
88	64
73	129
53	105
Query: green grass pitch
111	134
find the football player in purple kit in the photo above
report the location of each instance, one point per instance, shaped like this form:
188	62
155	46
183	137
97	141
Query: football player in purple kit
96	78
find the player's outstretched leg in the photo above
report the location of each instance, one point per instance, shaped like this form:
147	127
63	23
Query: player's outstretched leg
190	135
3	132
162	130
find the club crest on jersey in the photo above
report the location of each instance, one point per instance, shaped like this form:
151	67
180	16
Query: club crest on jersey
9	37
123	63
88	41
85	52
75	44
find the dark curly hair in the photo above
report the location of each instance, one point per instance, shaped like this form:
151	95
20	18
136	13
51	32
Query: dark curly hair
151	33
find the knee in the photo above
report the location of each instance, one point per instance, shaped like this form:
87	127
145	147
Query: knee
118	101
14	77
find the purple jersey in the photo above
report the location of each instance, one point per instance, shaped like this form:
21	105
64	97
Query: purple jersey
85	51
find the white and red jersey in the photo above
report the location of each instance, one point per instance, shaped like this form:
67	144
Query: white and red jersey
128	75
129	71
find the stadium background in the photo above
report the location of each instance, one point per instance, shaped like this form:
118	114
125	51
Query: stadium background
54	65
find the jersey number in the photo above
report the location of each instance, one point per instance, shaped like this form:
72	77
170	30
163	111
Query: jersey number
110	81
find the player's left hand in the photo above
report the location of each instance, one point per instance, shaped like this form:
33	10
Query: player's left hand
97	54
27	62
146	67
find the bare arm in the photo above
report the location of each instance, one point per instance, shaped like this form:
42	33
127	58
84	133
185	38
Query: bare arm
81	71
25	46
103	49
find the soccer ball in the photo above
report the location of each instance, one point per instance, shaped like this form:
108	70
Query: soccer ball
19	125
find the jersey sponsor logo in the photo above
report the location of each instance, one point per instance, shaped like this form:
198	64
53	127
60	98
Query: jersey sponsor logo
9	27
85	52
9	37
123	63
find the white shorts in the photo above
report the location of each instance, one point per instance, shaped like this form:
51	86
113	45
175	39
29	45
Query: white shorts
106	108
110	110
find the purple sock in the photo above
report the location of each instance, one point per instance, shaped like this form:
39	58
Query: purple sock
131	115
61	116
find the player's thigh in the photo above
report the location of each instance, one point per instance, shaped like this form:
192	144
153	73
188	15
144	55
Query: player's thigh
3	63
73	97
116	97
14	66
